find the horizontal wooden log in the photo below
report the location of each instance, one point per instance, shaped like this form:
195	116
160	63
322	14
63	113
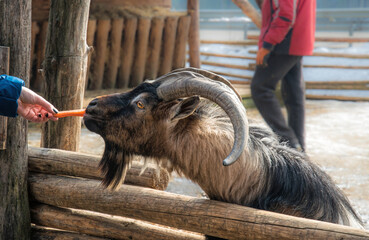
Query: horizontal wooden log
201	215
243	67
330	54
40	233
54	161
253	66
226	55
242	43
102	225
340	85
234	75
335	97
327	39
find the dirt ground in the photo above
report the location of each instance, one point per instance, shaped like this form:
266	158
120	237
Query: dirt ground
337	140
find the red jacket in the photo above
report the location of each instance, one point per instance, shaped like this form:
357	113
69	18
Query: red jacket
288	26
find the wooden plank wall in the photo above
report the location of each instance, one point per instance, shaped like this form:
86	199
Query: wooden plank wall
127	50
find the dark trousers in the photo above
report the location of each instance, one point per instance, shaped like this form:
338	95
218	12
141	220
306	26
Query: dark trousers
287	68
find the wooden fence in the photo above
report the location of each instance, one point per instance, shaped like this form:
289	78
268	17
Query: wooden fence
243	83
60	180
126	50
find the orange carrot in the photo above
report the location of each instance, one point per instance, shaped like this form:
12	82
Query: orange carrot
70	113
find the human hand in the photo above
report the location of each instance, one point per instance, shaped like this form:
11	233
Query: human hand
35	108
262	56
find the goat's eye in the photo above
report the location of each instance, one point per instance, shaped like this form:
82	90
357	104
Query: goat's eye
140	105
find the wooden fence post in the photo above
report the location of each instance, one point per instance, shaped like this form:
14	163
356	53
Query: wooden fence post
15	32
168	44
138	68
114	55
153	51
127	52
65	68
179	58
4	69
194	34
102	34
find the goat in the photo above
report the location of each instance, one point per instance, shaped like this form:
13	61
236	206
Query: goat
166	120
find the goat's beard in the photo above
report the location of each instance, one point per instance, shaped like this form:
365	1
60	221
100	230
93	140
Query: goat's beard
114	165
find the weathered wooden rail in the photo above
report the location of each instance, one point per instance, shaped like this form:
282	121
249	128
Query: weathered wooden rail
327	85
60	162
183	212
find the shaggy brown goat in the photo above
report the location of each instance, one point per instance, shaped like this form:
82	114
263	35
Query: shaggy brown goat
167	121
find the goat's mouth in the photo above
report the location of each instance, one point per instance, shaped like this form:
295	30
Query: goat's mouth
91	123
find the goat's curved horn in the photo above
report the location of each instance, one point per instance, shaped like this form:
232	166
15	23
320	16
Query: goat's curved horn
210	75
179	84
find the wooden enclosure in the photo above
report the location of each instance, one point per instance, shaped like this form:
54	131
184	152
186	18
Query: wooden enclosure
132	41
243	81
63	184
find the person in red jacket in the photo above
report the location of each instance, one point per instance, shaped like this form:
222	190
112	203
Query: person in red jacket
287	34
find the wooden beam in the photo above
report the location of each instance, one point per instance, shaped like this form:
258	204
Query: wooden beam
91	30
15	32
55	161
335	97
340	55
154	48
65	70
242	43
138	69
168	44
39	81
201	215
42	233
101	51
357	85
193	9
127	52
234	75
226	56
4	69
179	57
102	225
243	67
117	25
249	11
328	39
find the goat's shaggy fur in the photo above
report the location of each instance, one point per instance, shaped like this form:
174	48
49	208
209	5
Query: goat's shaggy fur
268	175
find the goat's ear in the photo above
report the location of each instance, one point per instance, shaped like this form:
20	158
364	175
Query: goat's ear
185	107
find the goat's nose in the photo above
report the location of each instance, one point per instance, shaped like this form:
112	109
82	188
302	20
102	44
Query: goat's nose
93	102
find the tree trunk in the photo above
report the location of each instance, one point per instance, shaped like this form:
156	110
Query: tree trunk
15	32
65	70
205	216
102	225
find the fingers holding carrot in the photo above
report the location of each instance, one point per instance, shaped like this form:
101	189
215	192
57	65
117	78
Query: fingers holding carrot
70	113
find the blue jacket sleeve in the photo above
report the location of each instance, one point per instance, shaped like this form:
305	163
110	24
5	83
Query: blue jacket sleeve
10	89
